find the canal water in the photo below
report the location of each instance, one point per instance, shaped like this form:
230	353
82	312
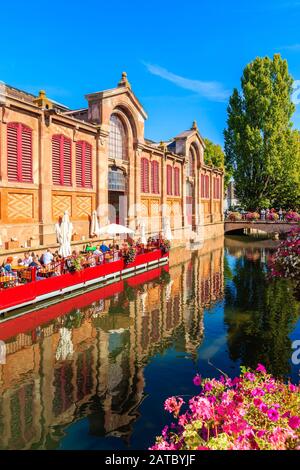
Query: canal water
93	372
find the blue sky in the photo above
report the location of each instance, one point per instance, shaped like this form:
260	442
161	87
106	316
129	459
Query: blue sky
183	58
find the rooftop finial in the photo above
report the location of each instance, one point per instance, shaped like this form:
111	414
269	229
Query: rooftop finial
195	126
42	101
124	81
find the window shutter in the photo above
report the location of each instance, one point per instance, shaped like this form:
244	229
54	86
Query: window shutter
67	162
56	176
19	153
79	181
145	175
207	187
155	177
88	166
176	182
12	152
26	154
169	180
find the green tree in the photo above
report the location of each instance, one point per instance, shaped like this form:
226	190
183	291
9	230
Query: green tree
214	155
260	145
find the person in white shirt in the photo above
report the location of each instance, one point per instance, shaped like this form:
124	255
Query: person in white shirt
27	259
47	257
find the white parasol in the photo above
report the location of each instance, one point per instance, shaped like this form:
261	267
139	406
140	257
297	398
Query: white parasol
143	232
114	229
65	347
94	225
64	234
167	229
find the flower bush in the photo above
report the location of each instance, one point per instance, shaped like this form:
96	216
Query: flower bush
251	216
286	261
234	216
165	245
272	216
130	255
250	412
292	217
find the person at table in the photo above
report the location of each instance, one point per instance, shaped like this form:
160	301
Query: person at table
90	248
104	248
20	262
35	263
99	255
47	257
27	259
8	266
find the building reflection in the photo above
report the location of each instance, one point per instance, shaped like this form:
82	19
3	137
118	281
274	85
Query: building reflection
90	361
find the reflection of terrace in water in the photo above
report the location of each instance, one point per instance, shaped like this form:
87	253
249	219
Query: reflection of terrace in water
91	361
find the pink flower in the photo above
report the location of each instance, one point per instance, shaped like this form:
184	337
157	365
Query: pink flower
263	407
208	387
197	380
294	422
250	376
261	368
257	402
261	433
292	388
273	414
173	405
257	392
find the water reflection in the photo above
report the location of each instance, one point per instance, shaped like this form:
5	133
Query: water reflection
97	375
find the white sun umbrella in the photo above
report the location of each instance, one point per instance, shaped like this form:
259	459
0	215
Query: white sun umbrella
167	229
114	229
94	224
65	346
64	234
143	232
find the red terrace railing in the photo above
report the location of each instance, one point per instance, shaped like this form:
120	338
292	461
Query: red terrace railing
28	293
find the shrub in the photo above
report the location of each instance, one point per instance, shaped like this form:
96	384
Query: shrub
250	412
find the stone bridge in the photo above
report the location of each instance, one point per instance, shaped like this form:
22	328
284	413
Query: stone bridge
263	226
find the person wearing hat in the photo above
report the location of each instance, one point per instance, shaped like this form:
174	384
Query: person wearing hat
8	266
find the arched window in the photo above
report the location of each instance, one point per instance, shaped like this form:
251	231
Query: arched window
169	181
144	175
117	139
176	182
19	152
116	180
61	160
155	177
191	163
83	164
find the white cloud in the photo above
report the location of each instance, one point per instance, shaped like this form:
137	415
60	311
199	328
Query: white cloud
213	91
292	47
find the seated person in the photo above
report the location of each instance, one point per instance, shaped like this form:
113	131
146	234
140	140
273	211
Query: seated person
20	262
47	257
97	252
89	248
27	259
104	248
8	266
35	262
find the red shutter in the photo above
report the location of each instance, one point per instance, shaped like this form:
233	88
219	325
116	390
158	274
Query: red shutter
79	153
56	176
67	162
26	154
12	152
155	177
169	180
19	153
145	175
61	160
88	166
176	182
